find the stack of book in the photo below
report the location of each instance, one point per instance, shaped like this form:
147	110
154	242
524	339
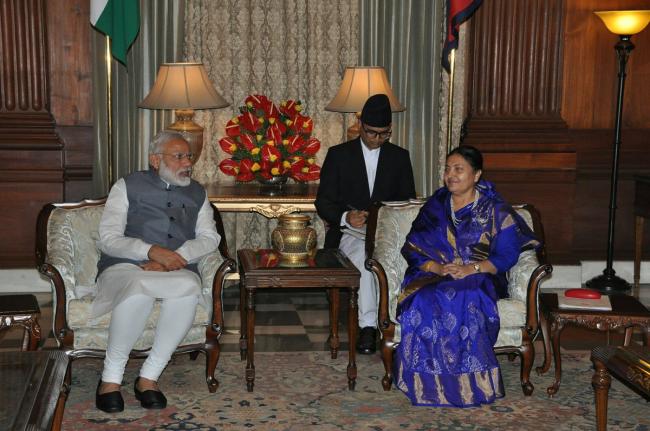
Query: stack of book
601	303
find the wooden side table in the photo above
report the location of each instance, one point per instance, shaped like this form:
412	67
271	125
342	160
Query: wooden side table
33	390
329	269
629	364
23	311
641	212
627	312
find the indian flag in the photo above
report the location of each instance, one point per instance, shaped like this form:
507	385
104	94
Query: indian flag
119	20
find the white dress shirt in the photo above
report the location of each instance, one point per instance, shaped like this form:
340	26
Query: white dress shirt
371	159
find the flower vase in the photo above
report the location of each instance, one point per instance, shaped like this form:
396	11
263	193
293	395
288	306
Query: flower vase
277	181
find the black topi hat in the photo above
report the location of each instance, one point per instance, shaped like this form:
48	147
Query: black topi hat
376	111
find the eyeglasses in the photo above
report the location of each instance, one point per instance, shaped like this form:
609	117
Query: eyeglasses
180	156
372	134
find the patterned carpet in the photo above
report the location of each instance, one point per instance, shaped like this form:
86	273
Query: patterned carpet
308	391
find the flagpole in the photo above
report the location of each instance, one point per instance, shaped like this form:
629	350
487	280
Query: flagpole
109	111
450	102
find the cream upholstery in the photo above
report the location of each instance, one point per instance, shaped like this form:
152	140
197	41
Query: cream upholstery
67	253
392	224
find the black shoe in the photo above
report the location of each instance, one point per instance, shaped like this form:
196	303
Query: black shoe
110	402
367	344
149	399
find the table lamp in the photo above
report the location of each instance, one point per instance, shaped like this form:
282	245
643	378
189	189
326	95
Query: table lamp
624	23
359	83
184	87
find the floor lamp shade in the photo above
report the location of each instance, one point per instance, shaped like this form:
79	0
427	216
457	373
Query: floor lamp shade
624	23
184	87
359	83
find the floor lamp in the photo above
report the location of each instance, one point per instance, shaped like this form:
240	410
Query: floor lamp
624	23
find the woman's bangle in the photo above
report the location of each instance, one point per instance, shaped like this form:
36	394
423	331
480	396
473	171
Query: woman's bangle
429	266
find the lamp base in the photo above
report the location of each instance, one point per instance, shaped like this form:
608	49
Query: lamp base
608	282
193	132
353	131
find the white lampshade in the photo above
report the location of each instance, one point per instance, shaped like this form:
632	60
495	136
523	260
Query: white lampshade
183	86
359	83
625	22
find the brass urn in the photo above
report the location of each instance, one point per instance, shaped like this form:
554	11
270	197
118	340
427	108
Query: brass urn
293	239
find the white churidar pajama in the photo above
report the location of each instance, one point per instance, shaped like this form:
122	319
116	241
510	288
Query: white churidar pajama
355	249
127	324
130	292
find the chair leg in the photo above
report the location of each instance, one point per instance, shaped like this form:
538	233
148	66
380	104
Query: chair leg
387	358
211	360
527	351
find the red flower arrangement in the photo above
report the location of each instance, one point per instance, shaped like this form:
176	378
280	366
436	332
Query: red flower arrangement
265	141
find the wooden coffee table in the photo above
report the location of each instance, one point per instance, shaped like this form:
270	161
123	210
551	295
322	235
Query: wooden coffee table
627	312
33	390
329	269
630	364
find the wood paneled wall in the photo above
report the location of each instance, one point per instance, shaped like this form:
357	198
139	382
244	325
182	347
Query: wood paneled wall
540	100
70	74
514	100
589	84
34	153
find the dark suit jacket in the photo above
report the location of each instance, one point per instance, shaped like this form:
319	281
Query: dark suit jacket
344	183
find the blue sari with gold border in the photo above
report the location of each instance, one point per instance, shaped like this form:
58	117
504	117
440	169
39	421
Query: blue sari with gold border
449	327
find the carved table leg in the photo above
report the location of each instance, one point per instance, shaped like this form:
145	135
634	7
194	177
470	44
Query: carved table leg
601	382
629	331
60	405
334	341
352	335
242	320
556	329
547	345
31	333
250	339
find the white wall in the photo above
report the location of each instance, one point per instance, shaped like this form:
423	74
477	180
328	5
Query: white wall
22	280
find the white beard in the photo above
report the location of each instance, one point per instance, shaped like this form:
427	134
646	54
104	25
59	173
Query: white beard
174	178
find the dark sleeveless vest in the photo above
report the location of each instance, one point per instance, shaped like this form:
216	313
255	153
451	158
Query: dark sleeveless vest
158	214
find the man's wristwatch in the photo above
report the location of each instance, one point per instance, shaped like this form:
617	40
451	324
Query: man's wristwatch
477	267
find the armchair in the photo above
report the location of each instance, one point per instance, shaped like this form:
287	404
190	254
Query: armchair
66	253
387	230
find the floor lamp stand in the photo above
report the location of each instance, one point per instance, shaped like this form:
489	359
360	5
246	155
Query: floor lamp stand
609	282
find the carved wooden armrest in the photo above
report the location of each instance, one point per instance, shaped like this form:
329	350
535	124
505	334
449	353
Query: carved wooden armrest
540	273
382	282
227	266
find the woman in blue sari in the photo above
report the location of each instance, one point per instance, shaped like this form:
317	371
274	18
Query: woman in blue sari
460	246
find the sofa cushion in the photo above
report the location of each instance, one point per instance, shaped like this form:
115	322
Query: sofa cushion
97	338
79	312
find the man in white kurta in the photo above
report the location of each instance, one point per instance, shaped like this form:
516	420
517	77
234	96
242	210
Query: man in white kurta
156	225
